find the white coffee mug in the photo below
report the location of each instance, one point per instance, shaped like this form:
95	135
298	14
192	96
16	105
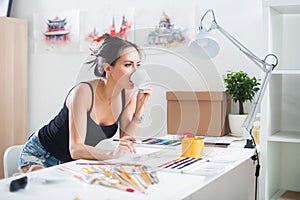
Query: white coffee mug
140	79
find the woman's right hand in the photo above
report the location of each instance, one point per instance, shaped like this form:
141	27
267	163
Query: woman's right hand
141	100
125	145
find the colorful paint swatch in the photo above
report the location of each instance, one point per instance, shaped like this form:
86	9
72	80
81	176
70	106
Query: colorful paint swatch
158	141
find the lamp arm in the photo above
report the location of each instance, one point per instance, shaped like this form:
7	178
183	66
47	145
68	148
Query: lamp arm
260	63
214	25
266	67
247	125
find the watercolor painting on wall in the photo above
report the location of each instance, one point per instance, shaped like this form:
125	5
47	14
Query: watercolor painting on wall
56	32
168	28
96	26
166	34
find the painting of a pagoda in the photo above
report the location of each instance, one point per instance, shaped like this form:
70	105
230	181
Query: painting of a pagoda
56	30
95	37
165	34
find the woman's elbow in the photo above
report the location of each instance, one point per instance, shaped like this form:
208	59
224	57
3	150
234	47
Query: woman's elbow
76	152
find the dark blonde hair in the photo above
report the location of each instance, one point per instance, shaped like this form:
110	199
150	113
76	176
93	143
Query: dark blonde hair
109	52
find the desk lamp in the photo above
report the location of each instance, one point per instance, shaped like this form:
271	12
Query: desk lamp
205	47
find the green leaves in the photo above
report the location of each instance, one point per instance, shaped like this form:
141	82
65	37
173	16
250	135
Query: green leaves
241	87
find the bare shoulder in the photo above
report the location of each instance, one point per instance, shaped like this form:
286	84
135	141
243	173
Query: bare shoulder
80	95
82	89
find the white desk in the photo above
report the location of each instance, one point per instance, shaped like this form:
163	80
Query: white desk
236	181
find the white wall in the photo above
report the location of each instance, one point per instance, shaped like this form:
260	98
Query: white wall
52	75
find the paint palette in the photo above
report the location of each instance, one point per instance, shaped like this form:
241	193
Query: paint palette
158	141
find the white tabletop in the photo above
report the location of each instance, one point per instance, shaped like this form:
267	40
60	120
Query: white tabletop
63	185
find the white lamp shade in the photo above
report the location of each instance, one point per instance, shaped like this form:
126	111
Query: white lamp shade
204	46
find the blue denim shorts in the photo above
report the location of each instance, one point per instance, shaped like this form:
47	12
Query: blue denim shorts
34	153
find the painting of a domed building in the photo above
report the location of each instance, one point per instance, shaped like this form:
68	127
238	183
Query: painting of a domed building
165	34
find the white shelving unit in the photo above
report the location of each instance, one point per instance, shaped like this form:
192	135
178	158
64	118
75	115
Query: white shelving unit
280	129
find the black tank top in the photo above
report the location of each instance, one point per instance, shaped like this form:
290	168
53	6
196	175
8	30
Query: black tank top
55	135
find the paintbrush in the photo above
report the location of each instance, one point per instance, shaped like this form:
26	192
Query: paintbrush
145	175
111	174
127	177
99	180
113	184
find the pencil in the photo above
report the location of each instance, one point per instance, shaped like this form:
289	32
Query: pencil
167	163
181	160
187	164
182	163
134	141
99	163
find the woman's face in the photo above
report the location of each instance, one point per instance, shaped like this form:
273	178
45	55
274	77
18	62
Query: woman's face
125	66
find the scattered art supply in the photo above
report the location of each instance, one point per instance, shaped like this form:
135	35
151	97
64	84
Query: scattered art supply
216	144
158	141
125	177
179	163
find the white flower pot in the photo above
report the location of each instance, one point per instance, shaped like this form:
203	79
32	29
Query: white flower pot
235	124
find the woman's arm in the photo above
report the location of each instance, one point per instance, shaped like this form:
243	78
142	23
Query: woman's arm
135	107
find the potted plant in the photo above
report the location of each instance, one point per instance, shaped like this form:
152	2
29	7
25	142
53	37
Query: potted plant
241	88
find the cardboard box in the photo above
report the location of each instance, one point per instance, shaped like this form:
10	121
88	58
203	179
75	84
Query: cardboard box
202	113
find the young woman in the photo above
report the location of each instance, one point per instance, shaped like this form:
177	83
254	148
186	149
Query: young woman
92	112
